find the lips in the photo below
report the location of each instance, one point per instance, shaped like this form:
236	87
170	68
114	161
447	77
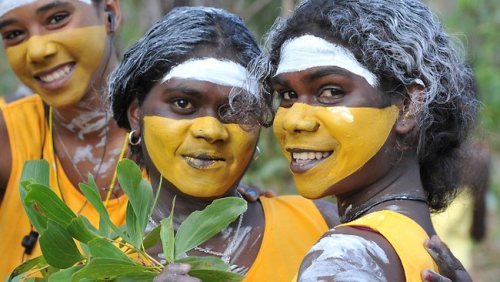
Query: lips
55	77
203	161
303	160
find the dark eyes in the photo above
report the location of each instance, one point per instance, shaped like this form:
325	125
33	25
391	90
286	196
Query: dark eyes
11	35
58	19
327	95
183	104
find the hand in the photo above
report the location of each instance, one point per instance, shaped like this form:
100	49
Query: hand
450	268
252	193
176	272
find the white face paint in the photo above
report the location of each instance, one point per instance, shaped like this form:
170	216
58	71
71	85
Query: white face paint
308	51
225	73
8	5
345	258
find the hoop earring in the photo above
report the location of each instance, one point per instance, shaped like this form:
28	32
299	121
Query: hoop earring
131	138
257	153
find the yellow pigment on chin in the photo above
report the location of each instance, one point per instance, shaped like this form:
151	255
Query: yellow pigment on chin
169	141
354	135
83	46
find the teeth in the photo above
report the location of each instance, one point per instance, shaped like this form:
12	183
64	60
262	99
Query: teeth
307	156
58	74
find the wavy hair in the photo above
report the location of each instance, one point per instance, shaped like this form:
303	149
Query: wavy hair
402	43
183	34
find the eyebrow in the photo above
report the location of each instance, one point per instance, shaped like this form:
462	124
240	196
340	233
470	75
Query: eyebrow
323	71
55	4
183	89
7	22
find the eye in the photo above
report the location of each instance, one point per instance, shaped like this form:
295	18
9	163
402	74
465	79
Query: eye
330	94
11	35
288	95
183	104
58	19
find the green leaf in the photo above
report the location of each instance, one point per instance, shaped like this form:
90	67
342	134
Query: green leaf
35	263
46	202
215	275
79	230
58	247
152	238
101	248
133	228
202	225
110	268
34	171
64	275
91	192
211	263
167	235
138	191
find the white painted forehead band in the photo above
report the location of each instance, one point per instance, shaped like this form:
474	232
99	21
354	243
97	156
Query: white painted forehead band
225	73
308	51
8	5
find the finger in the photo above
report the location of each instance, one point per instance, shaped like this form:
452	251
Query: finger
431	276
249	193
270	193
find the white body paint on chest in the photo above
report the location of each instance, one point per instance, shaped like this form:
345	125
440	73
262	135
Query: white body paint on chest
345	258
308	51
8	5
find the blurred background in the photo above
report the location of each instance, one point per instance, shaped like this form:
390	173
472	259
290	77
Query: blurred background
475	24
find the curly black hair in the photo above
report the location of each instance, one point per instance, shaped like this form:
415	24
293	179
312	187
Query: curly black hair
401	42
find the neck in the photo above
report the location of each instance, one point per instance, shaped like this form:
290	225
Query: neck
396	190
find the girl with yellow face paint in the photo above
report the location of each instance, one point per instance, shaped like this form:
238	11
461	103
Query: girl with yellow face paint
373	109
63	51
194	113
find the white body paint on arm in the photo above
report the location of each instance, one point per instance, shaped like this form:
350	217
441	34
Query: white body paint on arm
342	257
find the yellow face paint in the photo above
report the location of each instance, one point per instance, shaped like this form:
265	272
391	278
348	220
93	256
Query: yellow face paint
332	142
202	157
59	66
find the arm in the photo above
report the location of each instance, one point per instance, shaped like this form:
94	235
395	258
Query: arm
5	152
350	254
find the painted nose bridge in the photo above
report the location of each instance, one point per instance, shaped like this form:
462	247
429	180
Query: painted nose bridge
39	48
210	129
300	118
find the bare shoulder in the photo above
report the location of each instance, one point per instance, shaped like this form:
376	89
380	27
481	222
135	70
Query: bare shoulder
5	152
351	254
329	211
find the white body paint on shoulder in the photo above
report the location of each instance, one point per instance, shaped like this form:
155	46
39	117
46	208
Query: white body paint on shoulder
345	258
309	51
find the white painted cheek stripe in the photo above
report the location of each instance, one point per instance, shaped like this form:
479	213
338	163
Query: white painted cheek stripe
309	51
225	73
8	5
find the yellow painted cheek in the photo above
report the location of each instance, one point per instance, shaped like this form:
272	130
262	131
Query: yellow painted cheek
168	140
279	131
84	47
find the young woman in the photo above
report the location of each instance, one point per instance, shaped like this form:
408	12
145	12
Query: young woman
175	90
63	51
375	103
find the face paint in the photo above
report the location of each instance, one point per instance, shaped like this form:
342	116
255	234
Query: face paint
225	73
328	144
202	157
309	51
8	5
59	66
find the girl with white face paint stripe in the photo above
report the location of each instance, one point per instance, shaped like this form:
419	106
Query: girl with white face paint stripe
375	102
63	51
185	92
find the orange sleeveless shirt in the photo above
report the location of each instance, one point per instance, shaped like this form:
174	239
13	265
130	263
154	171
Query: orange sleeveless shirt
406	237
292	225
29	140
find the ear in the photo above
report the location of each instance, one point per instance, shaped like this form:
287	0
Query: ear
134	116
113	15
407	120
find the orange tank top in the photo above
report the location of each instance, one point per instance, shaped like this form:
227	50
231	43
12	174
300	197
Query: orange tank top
406	237
30	139
292	225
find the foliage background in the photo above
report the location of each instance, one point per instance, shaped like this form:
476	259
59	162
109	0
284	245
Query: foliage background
473	23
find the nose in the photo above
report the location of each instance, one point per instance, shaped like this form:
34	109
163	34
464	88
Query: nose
300	119
210	129
40	49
